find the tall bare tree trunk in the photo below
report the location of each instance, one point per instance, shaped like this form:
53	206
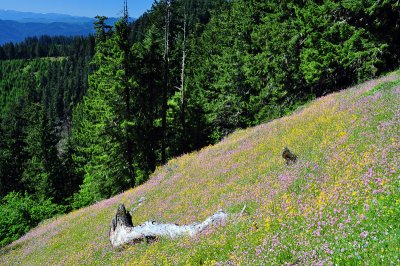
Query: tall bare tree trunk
127	94
183	119
166	81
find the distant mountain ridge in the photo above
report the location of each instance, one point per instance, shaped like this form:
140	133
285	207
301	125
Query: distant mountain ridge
14	31
16	26
27	17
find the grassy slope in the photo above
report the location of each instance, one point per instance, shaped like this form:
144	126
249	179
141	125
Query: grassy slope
339	203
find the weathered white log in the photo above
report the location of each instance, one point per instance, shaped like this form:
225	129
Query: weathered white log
123	232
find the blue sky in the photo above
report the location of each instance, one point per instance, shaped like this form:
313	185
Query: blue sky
87	8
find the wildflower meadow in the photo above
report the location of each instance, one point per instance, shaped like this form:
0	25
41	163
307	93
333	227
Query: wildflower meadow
339	204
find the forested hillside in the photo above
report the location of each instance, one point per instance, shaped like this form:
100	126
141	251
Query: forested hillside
184	75
40	82
339	203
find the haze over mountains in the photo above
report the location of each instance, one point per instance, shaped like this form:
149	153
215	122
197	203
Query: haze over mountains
16	26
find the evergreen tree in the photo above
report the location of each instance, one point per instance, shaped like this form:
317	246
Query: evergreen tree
40	170
102	123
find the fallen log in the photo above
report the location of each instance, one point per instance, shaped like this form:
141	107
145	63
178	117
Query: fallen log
123	232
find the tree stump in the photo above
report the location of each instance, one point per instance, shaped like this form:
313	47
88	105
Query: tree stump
289	157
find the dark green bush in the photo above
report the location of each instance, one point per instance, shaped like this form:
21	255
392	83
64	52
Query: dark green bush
20	212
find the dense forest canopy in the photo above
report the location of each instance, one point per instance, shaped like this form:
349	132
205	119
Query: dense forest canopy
84	118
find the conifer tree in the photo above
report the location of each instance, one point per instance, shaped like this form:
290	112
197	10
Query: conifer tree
95	131
102	123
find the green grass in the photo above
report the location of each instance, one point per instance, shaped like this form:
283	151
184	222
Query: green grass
339	204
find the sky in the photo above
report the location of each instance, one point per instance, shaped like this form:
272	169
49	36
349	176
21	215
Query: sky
86	8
